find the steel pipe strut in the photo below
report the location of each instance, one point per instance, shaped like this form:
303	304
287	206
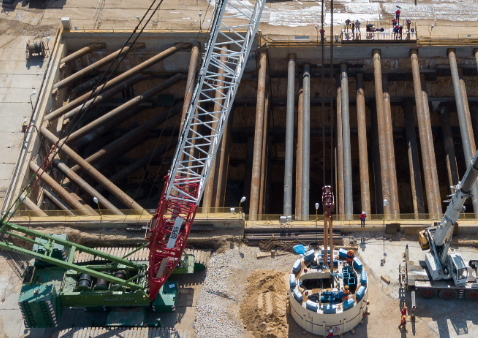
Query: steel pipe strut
33	207
362	143
94	66
223	158
466	106
264	163
392	172
259	129
465	139
349	207
119	144
387	207
474	119
449	146
88	168
423	128
60	191
298	166
377	182
85	186
81	52
289	137
306	145
120	78
413	159
57	201
193	61
340	151
123	108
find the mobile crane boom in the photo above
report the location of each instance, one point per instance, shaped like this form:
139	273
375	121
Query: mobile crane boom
217	83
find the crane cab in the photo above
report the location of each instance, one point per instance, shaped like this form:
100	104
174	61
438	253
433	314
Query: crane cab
458	269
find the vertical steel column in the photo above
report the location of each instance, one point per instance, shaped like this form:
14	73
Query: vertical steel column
298	165
209	191
423	128
413	159
340	152
349	207
392	172
306	145
474	120
377	181
362	140
377	67
449	145
462	120
223	158
259	129
264	158
431	143
467	111
193	61
289	137
246	191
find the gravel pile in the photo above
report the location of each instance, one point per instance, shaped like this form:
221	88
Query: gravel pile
217	311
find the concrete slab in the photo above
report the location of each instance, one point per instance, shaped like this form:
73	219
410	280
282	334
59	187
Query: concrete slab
33	81
17	95
22	67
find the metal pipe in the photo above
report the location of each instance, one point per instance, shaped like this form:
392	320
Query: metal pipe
60	191
264	162
33	207
392	172
467	111
298	166
289	137
223	157
449	145
306	145
85	186
132	168
107	127
423	128
413	159
259	129
362	140
193	61
431	143
331	243
85	85
119	144
94	66
209	191
120	78
474	120
83	51
88	168
57	201
377	182
340	152
465	139
123	108
382	133
349	207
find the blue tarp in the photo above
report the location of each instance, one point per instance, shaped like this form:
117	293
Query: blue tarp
300	249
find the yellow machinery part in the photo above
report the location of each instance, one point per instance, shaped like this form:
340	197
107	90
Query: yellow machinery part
422	239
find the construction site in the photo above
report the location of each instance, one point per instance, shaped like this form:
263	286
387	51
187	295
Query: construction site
233	168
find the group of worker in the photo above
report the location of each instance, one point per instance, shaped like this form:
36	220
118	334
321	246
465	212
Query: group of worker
397	27
403	319
352	26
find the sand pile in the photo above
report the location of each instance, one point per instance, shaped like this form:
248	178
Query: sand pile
263	311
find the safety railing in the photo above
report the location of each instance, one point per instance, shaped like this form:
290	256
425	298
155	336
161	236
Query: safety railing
356	218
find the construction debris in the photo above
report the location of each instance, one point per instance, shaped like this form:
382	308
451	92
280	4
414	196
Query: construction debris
385	278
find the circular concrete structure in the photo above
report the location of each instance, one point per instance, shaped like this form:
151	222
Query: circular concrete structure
316	295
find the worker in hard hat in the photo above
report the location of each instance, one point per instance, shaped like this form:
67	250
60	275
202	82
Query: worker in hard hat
331	333
346	292
403	323
350	257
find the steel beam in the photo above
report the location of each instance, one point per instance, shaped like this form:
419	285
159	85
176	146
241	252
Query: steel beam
60	191
289	137
449	145
465	138
349	207
362	143
392	171
88	168
306	145
382	134
258	137
436	182
57	201
193	61
423	128
94	66
121	143
85	186
81	52
413	159
123	108
33	207
298	165
121	78
340	152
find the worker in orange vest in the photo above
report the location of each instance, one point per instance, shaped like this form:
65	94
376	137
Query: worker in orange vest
403	323
350	257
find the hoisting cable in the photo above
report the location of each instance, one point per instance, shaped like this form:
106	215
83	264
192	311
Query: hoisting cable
322	79
332	92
